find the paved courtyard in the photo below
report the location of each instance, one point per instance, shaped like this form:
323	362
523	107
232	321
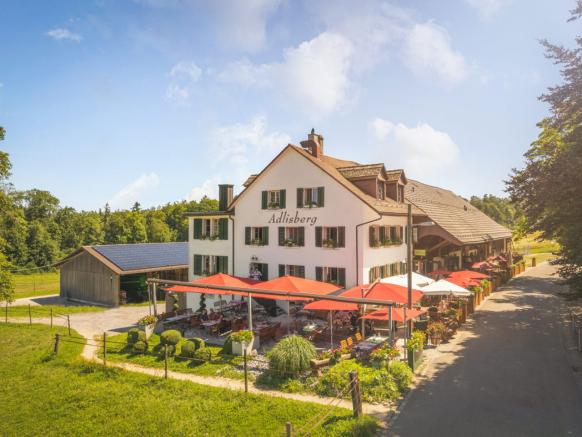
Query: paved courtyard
513	372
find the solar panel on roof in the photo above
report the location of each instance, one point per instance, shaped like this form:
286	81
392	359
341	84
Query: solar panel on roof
145	255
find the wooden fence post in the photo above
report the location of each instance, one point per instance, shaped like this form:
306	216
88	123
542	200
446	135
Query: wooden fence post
104	349
356	398
29	315
57	338
288	429
51	318
166	361
69	324
6	316
245	368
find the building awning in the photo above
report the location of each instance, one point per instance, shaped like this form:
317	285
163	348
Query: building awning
296	285
397	314
383	291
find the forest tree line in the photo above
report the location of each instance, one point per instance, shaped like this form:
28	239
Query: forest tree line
36	230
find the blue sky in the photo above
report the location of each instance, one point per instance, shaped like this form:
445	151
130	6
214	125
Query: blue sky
160	100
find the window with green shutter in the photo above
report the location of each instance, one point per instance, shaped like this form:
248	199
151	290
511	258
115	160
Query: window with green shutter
319	273
265	238
222	264
247	235
281	235
291	236
264	199
223	229
320	196
198	265
197	229
257	236
281	270
283	199
318	236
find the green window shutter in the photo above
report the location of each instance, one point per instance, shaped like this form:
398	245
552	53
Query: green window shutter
197	229
198	265
318	236
382	233
281	235
264	269
247	235
341	236
320	193
301	236
264	200
283	200
406	234
371	276
301	272
281	270
319	274
223	229
265	235
299	197
222	264
341	277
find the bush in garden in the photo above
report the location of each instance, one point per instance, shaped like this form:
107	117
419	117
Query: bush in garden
188	349
204	353
292	386
242	337
139	347
170	347
198	342
170	337
376	385
291	356
401	373
416	341
133	335
227	346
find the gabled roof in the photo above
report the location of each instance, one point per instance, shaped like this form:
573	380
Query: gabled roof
328	165
454	214
363	171
395	175
139	257
249	180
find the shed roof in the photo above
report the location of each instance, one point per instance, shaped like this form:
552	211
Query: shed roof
139	257
454	214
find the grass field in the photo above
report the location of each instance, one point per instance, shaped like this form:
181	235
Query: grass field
36	284
530	245
64	396
218	366
44	310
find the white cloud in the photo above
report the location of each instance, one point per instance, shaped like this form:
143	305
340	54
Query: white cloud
421	150
487	8
243	23
428	48
315	74
234	148
130	194
61	33
184	75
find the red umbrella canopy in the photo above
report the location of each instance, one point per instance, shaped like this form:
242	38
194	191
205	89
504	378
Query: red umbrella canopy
218	279
440	272
296	285
383	291
330	305
464	282
397	314
469	274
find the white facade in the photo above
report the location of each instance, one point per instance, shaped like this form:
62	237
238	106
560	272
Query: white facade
342	208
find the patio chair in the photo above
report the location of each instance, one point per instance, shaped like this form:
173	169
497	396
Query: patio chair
358	337
344	344
350	342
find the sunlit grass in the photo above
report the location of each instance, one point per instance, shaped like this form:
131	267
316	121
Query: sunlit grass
36	284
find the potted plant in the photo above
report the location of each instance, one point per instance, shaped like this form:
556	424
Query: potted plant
329	243
387	242
433	312
241	341
289	243
148	323
415	346
273	205
435	331
257	242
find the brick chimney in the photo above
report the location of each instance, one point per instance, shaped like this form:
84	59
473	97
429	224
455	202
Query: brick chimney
225	194
314	144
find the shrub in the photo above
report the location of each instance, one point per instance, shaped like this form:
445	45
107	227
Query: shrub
170	337
204	353
147	320
139	347
291	356
171	350
416	341
133	335
198	342
227	346
242	337
188	349
376	385
435	329
292	386
401	373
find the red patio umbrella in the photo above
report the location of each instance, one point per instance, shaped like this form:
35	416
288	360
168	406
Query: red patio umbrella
468	274
464	282
383	291
397	314
297	285
330	305
221	279
440	272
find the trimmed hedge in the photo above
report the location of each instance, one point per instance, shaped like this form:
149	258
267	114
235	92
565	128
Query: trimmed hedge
198	342
139	347
170	337
188	349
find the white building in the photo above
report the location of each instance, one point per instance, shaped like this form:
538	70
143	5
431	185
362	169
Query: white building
305	214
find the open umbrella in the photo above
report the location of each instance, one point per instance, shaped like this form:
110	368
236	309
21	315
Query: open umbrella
397	314
418	280
383	291
445	288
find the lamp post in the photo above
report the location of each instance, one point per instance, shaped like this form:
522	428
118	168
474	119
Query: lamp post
409	268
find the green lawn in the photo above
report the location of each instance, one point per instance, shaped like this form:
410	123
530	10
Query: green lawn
45	310
62	396
540	258
531	245
219	366
36	284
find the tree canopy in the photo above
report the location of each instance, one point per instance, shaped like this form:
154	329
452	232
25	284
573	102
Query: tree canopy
549	188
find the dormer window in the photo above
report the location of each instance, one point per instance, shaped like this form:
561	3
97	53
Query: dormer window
381	190
273	199
310	197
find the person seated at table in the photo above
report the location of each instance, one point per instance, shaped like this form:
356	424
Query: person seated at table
354	319
204	315
213	315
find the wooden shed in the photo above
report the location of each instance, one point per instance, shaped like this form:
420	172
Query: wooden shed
116	274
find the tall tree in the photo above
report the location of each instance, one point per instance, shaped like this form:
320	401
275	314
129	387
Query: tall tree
549	188
6	283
